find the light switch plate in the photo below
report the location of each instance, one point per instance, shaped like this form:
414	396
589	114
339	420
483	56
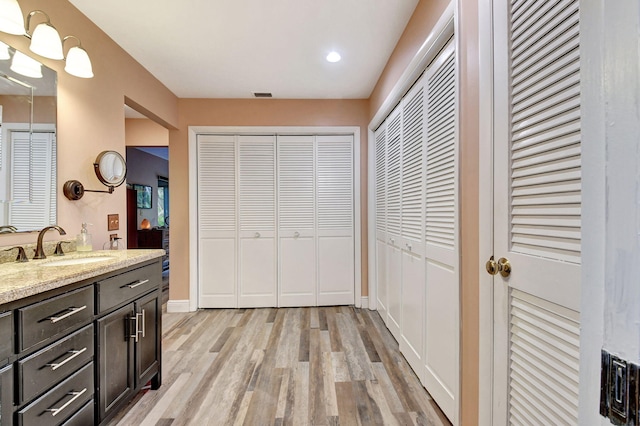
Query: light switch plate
113	222
618	391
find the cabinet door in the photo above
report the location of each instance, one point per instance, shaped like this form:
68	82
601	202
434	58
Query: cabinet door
6	395
148	313
115	358
296	196
257	221
217	221
381	220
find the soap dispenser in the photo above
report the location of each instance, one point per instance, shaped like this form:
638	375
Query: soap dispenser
83	240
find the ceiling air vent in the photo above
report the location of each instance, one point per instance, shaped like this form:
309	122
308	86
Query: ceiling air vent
262	94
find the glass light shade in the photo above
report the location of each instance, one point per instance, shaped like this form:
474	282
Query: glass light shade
78	63
11	20
45	41
24	65
4	52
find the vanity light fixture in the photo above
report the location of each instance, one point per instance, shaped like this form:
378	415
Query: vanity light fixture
4	51
45	40
333	56
26	65
78	62
11	20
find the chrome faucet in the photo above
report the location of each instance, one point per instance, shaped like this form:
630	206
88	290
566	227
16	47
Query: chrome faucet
7	229
39	250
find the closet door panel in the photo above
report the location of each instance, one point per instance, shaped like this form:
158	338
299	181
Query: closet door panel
394	221
217	221
442	249
413	274
296	220
334	201
381	219
257	221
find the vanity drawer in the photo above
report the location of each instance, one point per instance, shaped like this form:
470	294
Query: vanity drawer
6	336
57	405
48	366
83	417
124	287
45	320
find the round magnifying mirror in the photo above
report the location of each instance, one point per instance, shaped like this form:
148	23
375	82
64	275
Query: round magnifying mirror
110	168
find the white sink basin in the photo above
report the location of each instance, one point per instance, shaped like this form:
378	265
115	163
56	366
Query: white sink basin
77	261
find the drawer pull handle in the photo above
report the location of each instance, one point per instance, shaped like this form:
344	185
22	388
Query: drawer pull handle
74	354
76	395
71	311
143	327
138	284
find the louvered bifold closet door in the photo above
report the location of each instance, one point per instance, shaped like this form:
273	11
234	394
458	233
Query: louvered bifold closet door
257	285
296	220
538	207
217	219
412	225
441	235
334	203
381	219
33	174
394	221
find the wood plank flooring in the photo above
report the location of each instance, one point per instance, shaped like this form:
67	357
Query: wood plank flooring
288	366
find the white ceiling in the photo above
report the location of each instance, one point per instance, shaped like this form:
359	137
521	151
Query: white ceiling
231	48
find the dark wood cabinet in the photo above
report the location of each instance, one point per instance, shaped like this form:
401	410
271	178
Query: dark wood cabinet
156	238
115	360
78	354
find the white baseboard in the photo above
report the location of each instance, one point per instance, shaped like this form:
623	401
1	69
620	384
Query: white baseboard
178	306
364	302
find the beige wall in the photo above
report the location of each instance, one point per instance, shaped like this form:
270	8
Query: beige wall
91	117
250	112
418	29
144	132
16	109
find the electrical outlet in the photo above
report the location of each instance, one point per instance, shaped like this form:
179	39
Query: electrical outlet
113	222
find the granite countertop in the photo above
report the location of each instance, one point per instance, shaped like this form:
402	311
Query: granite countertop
20	280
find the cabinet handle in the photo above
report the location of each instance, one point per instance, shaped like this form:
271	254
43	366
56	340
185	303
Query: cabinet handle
138	284
142	322
134	336
409	247
257	235
296	234
74	354
71	311
76	395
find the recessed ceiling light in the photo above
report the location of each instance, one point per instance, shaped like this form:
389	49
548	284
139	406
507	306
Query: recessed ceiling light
333	57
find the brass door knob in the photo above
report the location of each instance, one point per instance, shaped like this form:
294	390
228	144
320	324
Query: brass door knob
502	265
492	266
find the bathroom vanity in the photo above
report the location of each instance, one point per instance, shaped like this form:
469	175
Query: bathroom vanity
80	335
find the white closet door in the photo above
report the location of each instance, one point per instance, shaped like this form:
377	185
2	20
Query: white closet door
296	221
381	220
412	226
334	203
394	219
257	285
217	221
537	212
33	175
442	248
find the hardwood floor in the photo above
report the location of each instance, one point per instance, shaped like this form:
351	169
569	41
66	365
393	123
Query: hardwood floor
288	366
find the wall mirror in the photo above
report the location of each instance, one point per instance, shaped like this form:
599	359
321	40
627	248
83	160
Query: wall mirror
28	160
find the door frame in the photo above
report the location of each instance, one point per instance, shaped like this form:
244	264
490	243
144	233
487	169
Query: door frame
194	131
